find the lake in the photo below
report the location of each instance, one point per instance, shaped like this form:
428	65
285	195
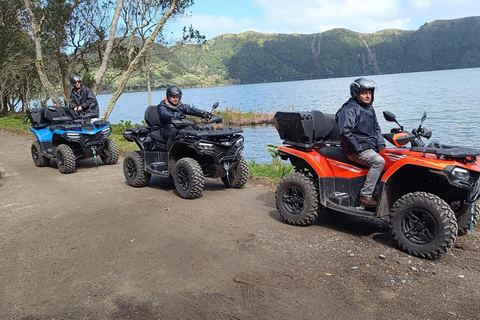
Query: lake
451	99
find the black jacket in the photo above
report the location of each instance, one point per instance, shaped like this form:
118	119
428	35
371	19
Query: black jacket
167	112
357	125
84	98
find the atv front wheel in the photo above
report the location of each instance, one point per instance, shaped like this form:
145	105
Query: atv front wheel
133	170
188	178
237	178
109	154
38	158
423	225
296	198
65	159
465	224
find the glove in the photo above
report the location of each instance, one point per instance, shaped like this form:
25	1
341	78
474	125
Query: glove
381	147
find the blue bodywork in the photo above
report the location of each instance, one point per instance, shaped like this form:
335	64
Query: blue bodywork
56	125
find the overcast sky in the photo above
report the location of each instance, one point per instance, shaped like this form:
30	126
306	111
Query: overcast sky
216	17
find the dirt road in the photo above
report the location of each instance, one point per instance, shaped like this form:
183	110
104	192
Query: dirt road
87	246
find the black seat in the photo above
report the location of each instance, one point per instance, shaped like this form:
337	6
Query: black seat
325	127
151	116
336	153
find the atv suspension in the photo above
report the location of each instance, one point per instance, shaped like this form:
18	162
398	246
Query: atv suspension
94	151
226	166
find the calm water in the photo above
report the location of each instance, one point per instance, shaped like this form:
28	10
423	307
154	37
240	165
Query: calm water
451	99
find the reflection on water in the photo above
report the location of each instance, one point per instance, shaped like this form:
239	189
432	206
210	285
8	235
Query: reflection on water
451	99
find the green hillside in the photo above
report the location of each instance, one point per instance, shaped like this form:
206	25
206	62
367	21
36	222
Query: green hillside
253	57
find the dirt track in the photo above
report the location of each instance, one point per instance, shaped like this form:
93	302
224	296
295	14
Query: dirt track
88	246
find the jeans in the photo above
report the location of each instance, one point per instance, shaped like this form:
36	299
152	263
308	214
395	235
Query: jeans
376	163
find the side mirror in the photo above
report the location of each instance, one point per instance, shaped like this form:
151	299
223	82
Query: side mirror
215	105
389	116
424	116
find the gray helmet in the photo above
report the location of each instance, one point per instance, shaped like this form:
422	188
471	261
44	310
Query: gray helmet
74	79
362	84
174	91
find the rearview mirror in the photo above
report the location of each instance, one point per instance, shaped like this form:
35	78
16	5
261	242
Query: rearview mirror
389	116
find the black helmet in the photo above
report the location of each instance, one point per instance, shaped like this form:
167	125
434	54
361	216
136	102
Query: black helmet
74	79
362	84
174	91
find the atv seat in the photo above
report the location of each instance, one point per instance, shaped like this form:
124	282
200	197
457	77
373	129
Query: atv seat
36	118
336	153
151	116
325	128
56	115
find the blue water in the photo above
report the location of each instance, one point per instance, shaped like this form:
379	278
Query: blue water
451	99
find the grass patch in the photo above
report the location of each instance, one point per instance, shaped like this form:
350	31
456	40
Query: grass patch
273	171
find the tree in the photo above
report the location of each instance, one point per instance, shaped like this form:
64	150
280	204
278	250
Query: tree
169	8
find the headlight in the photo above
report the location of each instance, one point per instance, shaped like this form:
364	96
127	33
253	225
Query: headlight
205	146
461	173
106	131
239	142
73	135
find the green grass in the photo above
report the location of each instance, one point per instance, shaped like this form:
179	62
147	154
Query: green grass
18	125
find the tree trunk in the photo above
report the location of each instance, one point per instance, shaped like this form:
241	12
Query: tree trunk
109	48
137	59
39	55
149	85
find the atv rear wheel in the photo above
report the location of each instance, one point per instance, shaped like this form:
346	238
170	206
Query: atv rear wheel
109	154
133	170
423	225
237	178
38	158
65	159
464	227
296	199
188	178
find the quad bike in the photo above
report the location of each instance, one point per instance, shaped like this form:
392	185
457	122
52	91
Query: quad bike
65	136
429	194
198	151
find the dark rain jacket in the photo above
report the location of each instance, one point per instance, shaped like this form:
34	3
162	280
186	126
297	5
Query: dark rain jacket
84	98
357	125
167	112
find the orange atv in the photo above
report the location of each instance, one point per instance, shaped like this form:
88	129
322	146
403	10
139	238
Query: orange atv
428	193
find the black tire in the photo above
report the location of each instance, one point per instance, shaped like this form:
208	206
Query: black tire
65	159
464	227
188	178
133	170
237	178
423	225
109	154
296	199
37	155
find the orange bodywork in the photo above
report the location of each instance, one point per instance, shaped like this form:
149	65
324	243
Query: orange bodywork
395	158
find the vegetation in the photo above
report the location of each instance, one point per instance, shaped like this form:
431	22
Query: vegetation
117	46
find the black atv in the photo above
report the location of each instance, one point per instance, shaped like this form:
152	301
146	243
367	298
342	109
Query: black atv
198	151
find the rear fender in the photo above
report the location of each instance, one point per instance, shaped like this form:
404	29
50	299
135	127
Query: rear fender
306	159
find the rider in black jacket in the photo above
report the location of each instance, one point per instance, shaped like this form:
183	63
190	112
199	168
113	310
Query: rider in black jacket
360	135
170	108
82	98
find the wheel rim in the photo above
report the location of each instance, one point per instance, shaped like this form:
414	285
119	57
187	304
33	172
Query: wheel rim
60	159
183	179
35	154
293	200
131	169
419	227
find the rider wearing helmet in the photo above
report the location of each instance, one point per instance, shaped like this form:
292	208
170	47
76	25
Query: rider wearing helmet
170	108
82	98
360	135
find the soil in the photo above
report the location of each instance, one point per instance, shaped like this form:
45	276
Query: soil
87	246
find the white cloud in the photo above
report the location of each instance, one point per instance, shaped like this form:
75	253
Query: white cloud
312	16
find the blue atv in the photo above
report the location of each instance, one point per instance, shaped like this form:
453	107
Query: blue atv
64	135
